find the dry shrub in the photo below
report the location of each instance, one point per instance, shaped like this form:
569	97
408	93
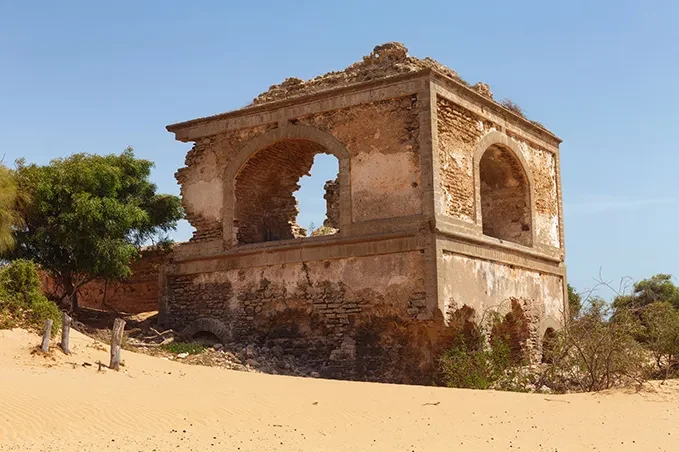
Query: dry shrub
596	352
487	354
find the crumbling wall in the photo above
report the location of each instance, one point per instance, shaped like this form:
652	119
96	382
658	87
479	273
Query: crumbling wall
542	164
459	131
315	310
265	205
489	286
383	142
202	188
332	204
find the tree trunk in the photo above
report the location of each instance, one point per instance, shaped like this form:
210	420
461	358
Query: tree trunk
71	294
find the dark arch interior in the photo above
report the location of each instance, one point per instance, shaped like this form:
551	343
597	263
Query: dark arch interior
265	206
505	196
205	338
548	344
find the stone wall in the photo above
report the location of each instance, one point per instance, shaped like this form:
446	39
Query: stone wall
491	286
139	293
349	318
459	133
383	141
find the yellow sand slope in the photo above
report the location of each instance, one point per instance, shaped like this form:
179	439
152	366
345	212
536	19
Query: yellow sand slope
56	404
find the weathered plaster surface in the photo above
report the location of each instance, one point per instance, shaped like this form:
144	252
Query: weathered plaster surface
201	179
382	139
485	285
309	308
542	164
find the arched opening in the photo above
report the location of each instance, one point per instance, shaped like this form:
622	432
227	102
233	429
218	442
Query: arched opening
318	197
266	208
205	338
505	196
548	345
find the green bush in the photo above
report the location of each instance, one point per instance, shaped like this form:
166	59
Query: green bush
21	300
43	309
20	277
477	367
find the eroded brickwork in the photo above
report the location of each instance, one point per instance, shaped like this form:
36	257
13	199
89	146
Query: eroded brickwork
201	180
383	141
312	308
332	204
459	130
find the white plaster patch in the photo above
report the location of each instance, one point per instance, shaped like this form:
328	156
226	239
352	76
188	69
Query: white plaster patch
205	198
485	285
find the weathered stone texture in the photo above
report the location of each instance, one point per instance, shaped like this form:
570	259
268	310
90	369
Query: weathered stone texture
489	286
542	164
425	233
202	186
459	130
383	141
332	204
266	208
309	308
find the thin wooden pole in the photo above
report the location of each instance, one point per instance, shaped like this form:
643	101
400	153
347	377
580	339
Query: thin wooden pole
46	336
116	342
65	331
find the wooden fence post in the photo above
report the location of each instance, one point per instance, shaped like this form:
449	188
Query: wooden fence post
116	342
46	336
65	331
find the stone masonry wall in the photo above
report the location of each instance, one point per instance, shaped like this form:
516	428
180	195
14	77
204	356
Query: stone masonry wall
202	187
459	132
490	286
342	316
383	141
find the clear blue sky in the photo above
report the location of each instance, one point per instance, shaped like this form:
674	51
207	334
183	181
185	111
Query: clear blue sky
96	77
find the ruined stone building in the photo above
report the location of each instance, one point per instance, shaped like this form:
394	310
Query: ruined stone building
446	204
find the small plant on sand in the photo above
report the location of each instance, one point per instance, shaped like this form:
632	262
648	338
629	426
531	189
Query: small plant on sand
191	348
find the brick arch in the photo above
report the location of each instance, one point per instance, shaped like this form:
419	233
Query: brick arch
207	325
317	137
495	139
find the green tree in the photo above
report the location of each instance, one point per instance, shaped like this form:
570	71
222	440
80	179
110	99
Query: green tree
9	216
87	215
574	302
661	336
659	288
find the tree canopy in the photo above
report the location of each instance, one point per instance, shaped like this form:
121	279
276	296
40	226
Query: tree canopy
87	215
9	217
658	288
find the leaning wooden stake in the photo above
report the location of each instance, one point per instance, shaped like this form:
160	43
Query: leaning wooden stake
46	336
65	331
116	341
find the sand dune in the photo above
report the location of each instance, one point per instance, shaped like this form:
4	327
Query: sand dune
56	404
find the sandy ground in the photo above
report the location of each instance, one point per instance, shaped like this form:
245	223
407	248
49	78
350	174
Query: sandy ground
56	404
